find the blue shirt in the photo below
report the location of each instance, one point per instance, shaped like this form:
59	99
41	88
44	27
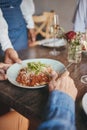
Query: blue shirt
59	113
80	21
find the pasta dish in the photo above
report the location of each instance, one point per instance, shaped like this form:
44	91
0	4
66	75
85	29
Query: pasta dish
34	74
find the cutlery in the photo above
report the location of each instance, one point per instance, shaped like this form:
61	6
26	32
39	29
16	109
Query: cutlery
65	68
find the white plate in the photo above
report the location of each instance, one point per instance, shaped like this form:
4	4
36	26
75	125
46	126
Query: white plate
50	42
12	72
84	103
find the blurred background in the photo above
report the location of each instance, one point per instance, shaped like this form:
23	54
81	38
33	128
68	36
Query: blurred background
64	8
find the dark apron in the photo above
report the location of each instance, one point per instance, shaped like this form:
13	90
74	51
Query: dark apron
16	27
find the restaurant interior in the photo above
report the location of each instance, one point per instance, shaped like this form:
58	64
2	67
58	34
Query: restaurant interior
50	48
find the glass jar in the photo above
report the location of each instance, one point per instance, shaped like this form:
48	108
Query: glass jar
74	53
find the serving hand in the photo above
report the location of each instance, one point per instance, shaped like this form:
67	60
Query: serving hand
3	68
11	56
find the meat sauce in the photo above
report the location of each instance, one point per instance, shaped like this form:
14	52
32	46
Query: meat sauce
32	79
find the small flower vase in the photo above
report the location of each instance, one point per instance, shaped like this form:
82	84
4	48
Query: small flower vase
74	53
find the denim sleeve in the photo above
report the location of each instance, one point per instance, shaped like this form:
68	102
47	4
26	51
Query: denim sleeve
59	112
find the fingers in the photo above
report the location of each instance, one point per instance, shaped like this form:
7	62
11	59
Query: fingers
2	74
4	66
66	73
59	82
63	83
13	60
17	60
52	83
11	56
31	36
3	77
54	75
8	60
1	71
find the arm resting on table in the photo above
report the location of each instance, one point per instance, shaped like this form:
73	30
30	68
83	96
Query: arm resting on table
60	112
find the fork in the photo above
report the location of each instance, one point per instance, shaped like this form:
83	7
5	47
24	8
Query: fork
65	68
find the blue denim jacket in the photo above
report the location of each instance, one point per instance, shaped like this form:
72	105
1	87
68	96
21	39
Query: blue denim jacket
59	113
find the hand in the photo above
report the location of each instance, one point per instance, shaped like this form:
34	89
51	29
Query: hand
63	83
31	36
11	56
3	68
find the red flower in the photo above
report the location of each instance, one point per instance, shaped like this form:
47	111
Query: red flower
83	47
70	35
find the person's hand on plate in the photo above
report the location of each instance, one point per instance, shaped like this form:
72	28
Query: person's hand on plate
3	69
11	56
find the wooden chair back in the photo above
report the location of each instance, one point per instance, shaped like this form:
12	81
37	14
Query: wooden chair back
42	24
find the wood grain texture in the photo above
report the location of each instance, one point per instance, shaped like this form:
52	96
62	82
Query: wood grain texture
30	102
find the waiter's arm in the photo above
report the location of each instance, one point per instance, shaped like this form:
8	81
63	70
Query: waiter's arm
28	9
4	38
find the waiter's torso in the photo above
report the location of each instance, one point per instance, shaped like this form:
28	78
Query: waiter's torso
16	24
8	3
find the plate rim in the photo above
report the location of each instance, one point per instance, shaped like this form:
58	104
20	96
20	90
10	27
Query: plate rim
24	61
83	104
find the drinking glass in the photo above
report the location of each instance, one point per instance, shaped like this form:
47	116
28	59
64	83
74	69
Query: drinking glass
54	28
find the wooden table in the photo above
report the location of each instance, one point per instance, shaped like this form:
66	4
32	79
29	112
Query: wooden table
31	103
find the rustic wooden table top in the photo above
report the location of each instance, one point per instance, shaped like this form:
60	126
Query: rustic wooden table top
29	102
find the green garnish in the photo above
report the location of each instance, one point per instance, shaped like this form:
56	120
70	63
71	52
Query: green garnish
36	67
